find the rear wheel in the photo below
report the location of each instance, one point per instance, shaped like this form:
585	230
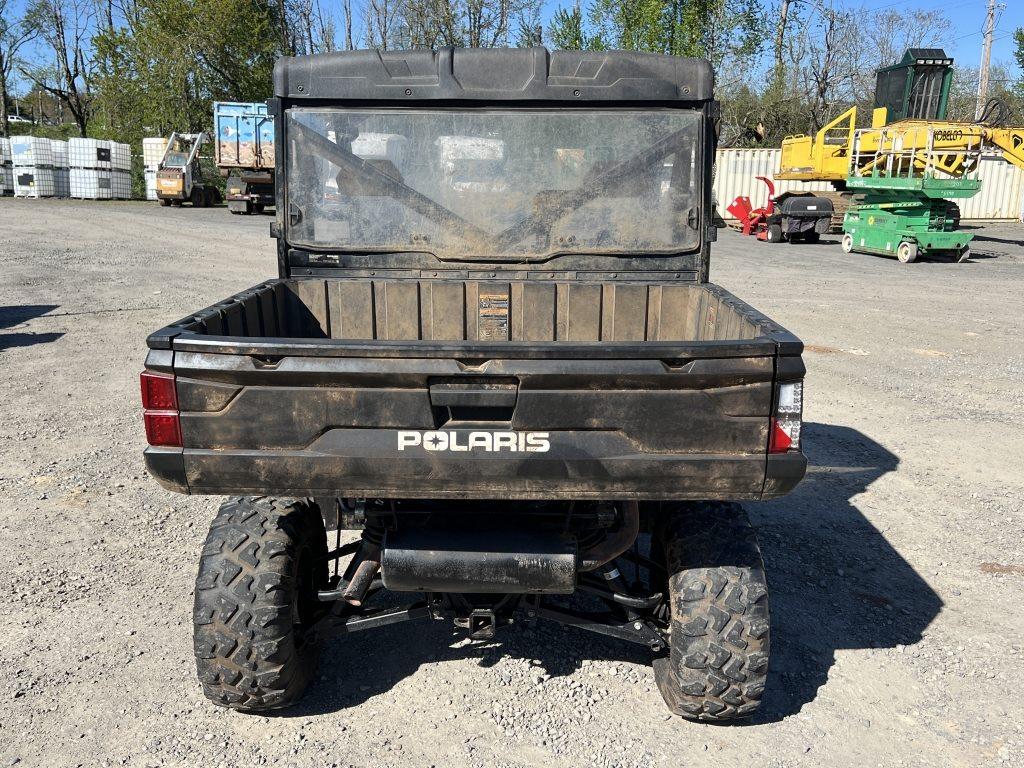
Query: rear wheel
197	197
774	234
256	598
165	203
846	243
718	637
210	195
906	252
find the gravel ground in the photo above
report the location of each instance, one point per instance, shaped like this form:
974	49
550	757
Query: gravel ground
896	568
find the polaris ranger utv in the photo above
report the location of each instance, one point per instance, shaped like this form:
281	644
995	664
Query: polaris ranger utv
493	350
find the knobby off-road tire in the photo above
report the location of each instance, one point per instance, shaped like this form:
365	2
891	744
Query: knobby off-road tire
718	638
261	567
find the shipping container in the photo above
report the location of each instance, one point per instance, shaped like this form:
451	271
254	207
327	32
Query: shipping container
245	136
1001	196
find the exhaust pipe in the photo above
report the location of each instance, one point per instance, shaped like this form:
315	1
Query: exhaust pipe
478	561
487	561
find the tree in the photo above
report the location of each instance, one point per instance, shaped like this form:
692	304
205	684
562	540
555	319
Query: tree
401	24
567	31
1018	38
163	67
313	30
64	25
381	23
778	78
14	33
886	36
829	63
714	29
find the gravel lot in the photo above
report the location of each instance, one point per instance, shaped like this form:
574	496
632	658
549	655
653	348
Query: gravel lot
896	568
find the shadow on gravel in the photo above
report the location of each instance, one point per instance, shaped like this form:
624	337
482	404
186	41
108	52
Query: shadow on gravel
14	316
356	668
835	583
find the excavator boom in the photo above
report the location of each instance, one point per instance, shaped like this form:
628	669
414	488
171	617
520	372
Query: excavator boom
828	156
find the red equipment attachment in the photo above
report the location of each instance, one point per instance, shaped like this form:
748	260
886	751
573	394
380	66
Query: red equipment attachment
754	221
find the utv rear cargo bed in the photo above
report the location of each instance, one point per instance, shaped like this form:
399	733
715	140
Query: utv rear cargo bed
477	388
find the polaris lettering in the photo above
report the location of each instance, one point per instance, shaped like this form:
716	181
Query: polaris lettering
486	442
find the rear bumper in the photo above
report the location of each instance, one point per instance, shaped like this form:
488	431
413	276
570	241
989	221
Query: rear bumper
576	467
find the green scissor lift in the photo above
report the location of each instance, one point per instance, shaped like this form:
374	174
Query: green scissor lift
906	216
903	206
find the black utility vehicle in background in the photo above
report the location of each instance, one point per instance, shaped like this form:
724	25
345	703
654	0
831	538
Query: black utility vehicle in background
492	349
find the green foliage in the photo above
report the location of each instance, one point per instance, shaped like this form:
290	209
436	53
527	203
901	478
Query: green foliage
568	31
1018	39
710	28
163	71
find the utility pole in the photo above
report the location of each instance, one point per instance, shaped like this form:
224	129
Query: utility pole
986	55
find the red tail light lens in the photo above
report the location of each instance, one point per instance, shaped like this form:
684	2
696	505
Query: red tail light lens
158	393
779	441
160	401
162	428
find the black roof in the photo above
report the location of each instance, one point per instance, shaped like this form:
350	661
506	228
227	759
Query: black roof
913	55
494	74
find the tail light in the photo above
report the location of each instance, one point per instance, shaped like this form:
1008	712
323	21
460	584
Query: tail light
788	418
160	414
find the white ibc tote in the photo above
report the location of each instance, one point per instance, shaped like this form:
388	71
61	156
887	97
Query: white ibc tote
90	184
6	167
31	151
89	153
34	181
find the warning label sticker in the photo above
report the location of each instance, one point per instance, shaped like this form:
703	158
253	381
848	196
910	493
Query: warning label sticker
493	315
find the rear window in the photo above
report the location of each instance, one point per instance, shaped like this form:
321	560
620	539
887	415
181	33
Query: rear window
495	185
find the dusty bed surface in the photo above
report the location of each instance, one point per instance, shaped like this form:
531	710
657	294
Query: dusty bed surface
896	569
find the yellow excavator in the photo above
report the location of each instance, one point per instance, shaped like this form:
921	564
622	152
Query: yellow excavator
911	97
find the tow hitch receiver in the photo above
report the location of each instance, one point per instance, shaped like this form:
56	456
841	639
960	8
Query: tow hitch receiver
482	624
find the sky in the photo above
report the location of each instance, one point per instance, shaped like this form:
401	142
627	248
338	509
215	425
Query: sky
968	17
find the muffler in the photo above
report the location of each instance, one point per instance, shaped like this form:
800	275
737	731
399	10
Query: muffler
486	562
